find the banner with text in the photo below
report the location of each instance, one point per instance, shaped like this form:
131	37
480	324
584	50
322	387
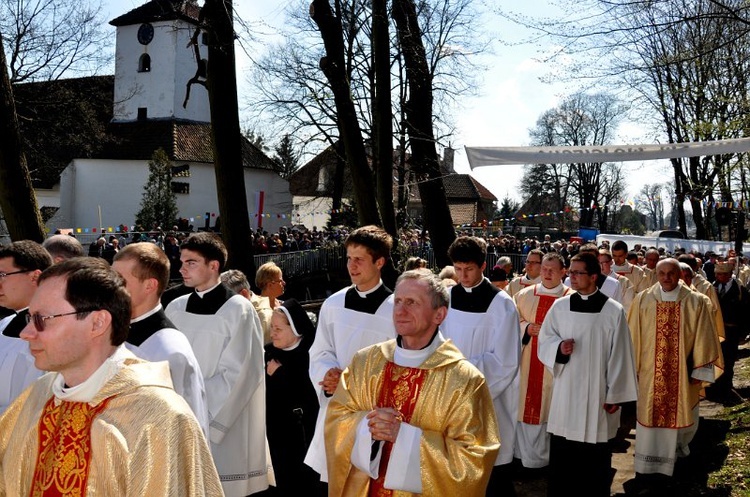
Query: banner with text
498	156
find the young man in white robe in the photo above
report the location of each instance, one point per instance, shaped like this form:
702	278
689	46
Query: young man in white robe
225	333
535	389
351	319
152	336
585	342
21	263
483	323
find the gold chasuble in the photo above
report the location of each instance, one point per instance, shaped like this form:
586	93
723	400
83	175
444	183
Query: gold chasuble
401	388
62	465
446	397
135	438
670	341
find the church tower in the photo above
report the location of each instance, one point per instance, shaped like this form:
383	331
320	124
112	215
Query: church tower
155	61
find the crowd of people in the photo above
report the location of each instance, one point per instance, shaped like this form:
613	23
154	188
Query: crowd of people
444	385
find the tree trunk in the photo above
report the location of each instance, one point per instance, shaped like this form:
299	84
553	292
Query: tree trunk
424	157
221	83
350	132
679	193
382	116
17	199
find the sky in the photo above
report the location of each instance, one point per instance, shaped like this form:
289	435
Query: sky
511	96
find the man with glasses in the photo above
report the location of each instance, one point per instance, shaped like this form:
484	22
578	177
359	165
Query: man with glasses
104	422
585	342
531	276
21	263
483	323
227	339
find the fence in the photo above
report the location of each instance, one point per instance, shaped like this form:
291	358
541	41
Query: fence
323	260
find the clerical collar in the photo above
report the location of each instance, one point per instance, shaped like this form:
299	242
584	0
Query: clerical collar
586	297
669	296
549	291
368	292
530	281
470	288
94	383
147	314
25	309
202	293
624	267
414	358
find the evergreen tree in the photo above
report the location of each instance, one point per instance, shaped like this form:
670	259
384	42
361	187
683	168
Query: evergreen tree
159	204
286	156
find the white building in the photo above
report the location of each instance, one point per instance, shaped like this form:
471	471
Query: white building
154	63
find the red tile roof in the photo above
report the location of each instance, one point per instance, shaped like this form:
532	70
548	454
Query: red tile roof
160	10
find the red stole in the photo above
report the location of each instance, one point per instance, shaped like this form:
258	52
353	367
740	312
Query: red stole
64	452
401	389
666	365
532	409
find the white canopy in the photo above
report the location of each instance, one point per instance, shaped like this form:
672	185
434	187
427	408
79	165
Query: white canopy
497	156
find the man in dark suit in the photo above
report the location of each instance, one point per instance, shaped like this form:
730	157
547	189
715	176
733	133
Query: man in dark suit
734	299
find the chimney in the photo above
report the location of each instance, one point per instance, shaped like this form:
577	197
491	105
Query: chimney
446	166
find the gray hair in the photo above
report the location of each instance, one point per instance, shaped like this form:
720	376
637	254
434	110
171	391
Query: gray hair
235	280
63	246
438	293
504	261
685	268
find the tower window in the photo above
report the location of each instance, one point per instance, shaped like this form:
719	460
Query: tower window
144	63
142	113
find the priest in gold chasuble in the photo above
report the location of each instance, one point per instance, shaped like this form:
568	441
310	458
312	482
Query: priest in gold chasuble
676	348
102	422
411	416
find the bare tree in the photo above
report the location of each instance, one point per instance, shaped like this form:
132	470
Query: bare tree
685	65
17	199
295	96
217	18
581	119
651	202
49	39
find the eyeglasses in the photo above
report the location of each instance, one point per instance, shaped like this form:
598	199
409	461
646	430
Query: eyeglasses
4	275
531	263
39	320
577	273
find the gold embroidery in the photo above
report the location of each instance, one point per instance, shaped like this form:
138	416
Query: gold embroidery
667	365
62	466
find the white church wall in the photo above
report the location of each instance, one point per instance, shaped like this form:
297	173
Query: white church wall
117	188
162	89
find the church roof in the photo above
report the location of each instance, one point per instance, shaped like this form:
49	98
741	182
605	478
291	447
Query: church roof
305	182
71	119
160	10
184	141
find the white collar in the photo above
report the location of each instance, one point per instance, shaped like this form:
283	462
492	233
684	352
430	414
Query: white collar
414	358
470	288
91	386
368	292
550	291
146	314
669	296
201	294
